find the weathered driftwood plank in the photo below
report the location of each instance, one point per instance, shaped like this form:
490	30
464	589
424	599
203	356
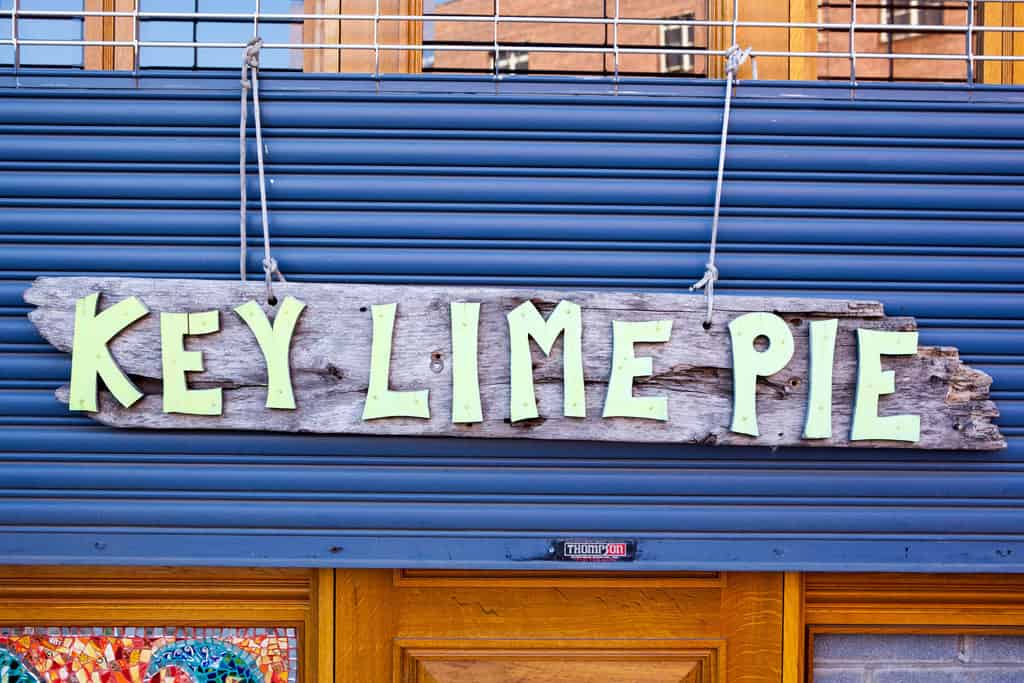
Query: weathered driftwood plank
330	364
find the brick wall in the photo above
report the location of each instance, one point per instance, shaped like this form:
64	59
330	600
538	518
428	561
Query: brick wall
571	34
858	658
868	42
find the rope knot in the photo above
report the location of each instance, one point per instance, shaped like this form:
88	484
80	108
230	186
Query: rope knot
707	283
270	266
735	56
708	280
251	56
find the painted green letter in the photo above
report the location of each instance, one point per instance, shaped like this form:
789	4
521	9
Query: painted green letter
873	382
380	400
275	343
748	363
525	321
91	357
620	401
465	382
819	395
178	398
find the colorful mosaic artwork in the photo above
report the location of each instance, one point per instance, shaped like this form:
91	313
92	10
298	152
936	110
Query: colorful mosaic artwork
147	655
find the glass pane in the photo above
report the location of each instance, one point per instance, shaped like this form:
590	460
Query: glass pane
165	31
889	658
170	654
271	30
667	35
906	40
44	29
6	51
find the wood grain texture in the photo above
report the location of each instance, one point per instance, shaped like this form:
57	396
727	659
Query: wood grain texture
538	662
793	628
365	626
433	578
751	614
501	628
803	40
330	361
567	613
913	603
325	597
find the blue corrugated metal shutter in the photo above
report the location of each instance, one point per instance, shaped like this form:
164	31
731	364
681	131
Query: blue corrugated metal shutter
910	196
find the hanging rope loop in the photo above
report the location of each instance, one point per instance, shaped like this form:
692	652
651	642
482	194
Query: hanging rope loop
270	270
734	59
250	82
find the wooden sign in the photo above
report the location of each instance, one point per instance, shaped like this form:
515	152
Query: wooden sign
507	363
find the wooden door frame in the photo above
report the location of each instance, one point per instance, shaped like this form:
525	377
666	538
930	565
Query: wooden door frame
921	604
392	623
57	596
331	633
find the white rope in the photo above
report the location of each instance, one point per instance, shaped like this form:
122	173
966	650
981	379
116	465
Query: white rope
250	81
735	57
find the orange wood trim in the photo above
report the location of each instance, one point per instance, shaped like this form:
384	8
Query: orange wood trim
94	57
803	40
324	626
911	600
1016	69
412	656
322	31
719	37
751	613
413	59
428	578
793	630
123	30
774	39
106	57
992	43
364	625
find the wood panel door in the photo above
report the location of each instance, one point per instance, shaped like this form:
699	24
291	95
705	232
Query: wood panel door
502	627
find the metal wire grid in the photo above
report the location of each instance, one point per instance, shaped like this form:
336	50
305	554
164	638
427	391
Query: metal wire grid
970	30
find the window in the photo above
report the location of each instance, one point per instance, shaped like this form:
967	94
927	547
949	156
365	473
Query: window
512	61
219	31
44	29
677	36
911	13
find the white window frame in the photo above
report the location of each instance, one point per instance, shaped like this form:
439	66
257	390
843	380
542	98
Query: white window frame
510	61
914	19
687	32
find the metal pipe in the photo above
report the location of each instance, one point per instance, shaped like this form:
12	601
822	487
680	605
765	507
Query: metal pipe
616	49
478	18
497	53
14	34
853	43
970	42
615	37
525	47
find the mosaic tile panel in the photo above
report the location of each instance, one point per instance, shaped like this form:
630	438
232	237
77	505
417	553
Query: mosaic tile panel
147	655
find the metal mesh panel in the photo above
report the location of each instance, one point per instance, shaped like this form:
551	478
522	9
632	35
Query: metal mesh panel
869	40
